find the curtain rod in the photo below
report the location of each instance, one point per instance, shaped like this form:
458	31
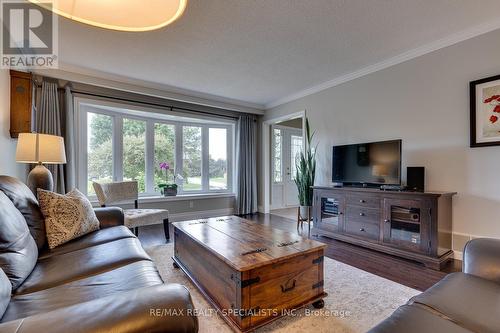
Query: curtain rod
171	107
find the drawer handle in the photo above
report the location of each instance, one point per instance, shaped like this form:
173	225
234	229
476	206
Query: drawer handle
387	220
287	289
362	229
362	201
361	214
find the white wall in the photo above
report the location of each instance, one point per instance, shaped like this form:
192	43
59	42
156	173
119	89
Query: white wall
425	102
8	165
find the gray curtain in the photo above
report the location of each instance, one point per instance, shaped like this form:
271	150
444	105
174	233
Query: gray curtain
69	139
246	165
49	121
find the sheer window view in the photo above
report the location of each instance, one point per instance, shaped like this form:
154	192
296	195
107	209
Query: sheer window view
277	144
99	149
134	151
191	158
295	149
147	152
217	139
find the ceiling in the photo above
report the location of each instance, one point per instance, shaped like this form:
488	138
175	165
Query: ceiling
264	52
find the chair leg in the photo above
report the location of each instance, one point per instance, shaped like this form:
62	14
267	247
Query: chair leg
166	229
136	231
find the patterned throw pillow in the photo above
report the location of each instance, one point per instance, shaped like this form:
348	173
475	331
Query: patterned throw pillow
66	216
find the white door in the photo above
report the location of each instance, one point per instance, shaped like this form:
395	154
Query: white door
286	144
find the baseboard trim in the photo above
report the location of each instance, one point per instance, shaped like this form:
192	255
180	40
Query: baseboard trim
186	216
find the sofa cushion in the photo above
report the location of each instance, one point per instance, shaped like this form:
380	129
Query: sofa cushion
18	250
469	301
413	319
76	265
5	290
67	216
135	275
100	236
25	201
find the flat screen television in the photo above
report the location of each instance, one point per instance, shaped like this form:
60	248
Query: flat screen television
367	164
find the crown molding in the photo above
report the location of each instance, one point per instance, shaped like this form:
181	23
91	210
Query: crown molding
73	73
400	58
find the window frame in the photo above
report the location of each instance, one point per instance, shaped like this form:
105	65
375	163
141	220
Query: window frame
106	108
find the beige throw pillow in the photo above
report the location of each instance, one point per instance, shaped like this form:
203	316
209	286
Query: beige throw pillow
66	216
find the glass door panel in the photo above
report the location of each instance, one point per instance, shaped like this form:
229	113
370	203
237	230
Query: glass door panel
405	224
331	213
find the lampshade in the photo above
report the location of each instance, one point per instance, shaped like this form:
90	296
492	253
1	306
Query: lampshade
40	148
125	15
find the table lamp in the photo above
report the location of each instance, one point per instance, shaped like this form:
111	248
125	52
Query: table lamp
40	148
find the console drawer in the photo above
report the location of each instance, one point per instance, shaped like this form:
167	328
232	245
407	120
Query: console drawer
364	200
361	214
363	229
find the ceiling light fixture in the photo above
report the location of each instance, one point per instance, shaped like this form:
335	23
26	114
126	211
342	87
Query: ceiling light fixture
123	15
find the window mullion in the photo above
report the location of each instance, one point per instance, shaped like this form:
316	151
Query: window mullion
205	157
149	158
117	148
178	151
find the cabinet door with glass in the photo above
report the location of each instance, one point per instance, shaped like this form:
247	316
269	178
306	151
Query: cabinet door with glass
329	214
406	224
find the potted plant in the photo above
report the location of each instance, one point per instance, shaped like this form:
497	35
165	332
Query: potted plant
167	189
305	166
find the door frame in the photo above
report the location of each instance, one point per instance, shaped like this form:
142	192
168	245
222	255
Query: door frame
266	154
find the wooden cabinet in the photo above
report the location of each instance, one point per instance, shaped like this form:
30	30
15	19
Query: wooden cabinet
21	113
412	225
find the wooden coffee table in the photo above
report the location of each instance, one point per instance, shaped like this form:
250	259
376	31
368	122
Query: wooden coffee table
251	273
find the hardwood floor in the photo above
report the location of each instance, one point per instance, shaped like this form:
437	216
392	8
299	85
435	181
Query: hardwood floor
403	271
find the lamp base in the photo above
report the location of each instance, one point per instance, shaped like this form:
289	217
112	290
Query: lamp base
40	177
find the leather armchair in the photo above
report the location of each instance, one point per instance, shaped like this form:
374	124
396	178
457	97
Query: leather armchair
462	302
482	258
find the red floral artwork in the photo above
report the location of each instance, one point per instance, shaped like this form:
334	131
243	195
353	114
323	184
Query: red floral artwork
494	101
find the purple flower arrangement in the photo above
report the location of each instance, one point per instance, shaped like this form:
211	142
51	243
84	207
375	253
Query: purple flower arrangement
167	189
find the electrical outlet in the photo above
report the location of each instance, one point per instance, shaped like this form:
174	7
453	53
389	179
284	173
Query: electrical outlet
191	204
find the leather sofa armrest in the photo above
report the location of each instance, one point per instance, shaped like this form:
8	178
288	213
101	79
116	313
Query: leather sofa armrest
109	216
482	258
161	308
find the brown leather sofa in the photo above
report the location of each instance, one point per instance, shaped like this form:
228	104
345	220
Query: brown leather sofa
461	302
101	282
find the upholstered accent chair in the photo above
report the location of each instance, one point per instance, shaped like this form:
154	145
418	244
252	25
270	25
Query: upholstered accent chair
118	193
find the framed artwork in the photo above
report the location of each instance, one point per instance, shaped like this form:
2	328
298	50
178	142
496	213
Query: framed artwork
485	112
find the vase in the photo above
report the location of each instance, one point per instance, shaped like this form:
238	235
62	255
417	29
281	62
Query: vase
170	192
304	212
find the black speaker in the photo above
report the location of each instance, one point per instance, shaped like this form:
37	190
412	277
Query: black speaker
415	179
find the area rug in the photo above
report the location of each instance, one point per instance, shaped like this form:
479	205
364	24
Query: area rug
357	300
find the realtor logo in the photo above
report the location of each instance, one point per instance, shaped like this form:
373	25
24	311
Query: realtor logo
29	35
